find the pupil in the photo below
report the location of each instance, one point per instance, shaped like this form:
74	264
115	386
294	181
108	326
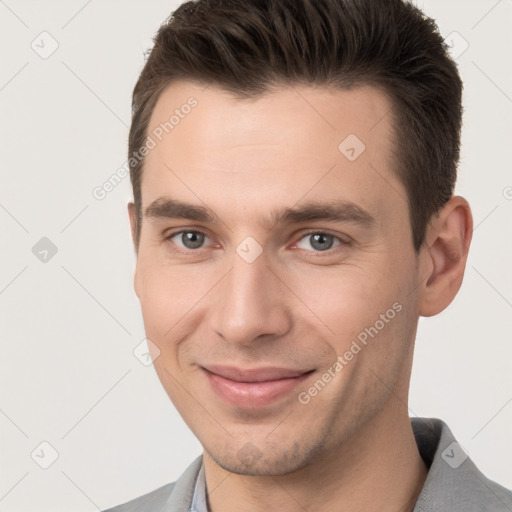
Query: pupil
322	242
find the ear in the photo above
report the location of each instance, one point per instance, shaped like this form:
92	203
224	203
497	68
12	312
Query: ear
445	253
132	213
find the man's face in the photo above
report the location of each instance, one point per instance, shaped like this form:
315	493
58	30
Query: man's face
275	279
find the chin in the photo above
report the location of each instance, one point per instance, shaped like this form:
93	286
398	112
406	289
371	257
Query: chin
249	460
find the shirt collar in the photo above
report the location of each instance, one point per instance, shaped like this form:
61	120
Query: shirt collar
199	503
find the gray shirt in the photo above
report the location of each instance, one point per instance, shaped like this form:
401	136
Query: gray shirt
453	482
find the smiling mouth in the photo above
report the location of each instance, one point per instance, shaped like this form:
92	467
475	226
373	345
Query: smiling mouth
254	387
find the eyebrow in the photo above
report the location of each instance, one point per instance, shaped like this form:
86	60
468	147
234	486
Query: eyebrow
173	209
335	211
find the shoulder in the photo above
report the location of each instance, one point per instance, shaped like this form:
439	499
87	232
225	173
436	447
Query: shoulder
453	482
154	500
168	498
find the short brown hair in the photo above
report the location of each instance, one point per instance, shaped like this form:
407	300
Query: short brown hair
248	46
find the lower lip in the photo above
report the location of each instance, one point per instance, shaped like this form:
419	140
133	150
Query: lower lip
253	395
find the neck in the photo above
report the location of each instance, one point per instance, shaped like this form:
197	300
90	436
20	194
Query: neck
379	469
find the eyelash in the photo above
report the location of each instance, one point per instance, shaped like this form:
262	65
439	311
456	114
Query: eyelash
342	242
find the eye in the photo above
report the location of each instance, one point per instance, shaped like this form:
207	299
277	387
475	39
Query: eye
318	241
188	239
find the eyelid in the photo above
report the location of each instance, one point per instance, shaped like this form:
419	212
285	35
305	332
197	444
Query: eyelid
343	239
178	231
168	233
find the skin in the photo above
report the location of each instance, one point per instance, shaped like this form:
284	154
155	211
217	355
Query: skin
294	306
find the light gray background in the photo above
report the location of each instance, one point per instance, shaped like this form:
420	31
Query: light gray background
68	375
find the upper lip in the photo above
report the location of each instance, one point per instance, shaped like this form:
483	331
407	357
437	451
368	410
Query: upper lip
262	374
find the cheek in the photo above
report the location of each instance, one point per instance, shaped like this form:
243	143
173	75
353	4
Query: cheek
170	298
344	298
358	307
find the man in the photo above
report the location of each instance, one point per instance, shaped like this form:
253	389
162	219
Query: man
293	165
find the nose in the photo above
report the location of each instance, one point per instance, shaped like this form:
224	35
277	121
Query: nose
250	303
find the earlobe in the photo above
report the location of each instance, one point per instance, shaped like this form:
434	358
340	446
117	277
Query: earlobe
446	249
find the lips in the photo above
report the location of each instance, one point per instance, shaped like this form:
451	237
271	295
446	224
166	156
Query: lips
253	387
254	374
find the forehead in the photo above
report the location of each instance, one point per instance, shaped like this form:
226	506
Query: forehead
279	147
288	115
